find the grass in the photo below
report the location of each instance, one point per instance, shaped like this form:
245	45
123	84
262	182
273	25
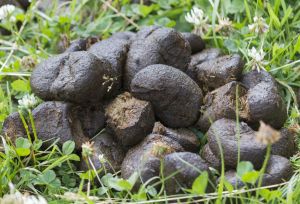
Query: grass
52	172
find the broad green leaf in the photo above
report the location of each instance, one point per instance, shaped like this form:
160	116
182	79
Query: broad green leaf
269	195
68	180
295	113
244	167
275	194
236	6
145	10
48	176
64	20
102	190
230	45
124	184
20	17
68	147
112	182
165	21
37	144
22	143
88	175
151	191
20	85
55	183
203	4
127	10
265	193
141	195
23	152
200	184
228	186
133	178
116	26
164	4
250	177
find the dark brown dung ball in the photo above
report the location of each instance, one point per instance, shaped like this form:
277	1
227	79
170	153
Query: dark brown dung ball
92	118
107	155
185	137
180	170
130	119
195	41
77	45
221	103
286	145
144	32
156	45
210	158
175	97
56	120
24	4
279	170
254	77
10	2
145	158
198	58
217	72
126	35
204	55
227	132
80	44
61	9
115	52
13	127
174	49
264	103
232	177
78	77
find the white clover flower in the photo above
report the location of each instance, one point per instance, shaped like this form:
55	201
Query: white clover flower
256	55
259	25
34	200
16	197
12	19
70	196
87	149
224	25
196	17
257	61
6	10
28	101
101	158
